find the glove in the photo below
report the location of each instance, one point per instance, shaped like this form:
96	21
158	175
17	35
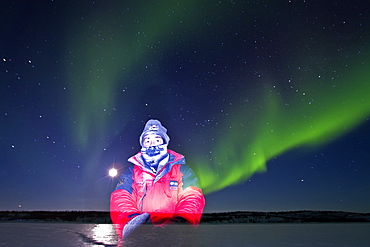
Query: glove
134	223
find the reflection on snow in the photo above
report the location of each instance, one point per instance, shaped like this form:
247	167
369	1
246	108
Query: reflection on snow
275	234
103	233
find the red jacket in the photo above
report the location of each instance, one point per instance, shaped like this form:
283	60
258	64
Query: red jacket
173	192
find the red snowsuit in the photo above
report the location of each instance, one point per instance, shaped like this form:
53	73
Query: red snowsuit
173	192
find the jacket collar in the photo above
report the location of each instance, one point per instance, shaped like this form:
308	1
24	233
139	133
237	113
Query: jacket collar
174	159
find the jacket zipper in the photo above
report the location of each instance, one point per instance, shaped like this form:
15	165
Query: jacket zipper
143	197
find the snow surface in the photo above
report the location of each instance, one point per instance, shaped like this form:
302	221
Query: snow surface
67	234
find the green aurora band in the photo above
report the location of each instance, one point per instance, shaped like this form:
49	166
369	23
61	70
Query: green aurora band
108	46
319	114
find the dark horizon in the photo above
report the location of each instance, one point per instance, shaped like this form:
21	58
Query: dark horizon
221	212
103	217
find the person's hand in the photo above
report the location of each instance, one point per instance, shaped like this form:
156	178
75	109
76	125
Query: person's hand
134	223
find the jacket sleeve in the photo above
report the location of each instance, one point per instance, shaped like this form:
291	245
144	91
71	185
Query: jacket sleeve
123	206
191	200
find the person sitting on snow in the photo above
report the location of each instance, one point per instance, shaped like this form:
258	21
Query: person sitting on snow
158	188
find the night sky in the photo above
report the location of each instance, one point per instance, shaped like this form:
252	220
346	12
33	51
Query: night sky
268	100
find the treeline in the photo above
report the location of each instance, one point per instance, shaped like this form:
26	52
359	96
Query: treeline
285	217
100	217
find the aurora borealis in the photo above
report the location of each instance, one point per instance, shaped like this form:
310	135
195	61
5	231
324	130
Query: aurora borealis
284	125
251	92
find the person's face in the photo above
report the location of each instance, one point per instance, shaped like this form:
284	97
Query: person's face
152	140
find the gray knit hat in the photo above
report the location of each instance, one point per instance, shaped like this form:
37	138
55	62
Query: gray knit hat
153	126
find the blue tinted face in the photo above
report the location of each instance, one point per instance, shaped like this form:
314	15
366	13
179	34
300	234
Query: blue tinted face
152	140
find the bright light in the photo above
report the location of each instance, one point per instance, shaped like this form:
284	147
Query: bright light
113	172
104	233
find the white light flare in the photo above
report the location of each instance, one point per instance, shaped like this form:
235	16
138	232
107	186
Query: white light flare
113	172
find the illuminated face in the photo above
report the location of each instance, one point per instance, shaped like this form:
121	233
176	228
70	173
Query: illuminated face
152	140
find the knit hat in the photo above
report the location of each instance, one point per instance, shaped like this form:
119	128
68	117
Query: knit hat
153	126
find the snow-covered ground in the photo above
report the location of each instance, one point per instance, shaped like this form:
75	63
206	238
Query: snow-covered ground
67	234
